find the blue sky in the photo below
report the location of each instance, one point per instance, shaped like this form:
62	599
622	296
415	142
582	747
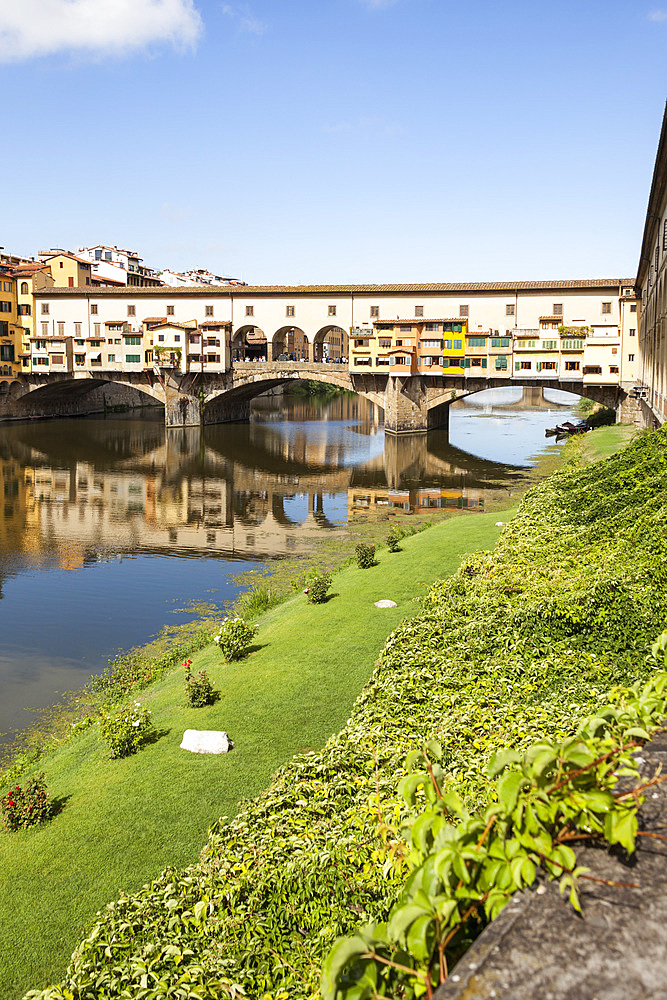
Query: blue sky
335	140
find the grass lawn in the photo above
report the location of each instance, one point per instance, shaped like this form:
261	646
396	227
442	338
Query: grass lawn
602	442
124	821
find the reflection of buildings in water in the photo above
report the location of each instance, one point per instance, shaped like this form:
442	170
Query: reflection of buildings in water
362	502
228	491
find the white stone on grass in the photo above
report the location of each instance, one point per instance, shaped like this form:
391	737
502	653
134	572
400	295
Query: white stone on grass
386	604
206	741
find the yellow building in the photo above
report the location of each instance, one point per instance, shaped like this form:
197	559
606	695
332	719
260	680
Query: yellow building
30	277
410	347
11	332
68	270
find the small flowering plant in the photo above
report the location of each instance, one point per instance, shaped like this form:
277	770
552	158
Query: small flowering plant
198	688
318	587
125	731
24	807
234	637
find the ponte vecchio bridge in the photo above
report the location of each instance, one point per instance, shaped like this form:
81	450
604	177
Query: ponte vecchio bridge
411	403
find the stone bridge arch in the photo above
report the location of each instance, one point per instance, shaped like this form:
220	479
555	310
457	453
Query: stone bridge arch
440	397
64	395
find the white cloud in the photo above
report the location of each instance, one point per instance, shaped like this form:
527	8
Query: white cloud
245	19
31	28
658	15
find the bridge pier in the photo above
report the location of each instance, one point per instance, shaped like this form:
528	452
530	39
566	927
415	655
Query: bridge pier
407	410
182	409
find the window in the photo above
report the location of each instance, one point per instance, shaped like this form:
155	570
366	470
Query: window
385	343
476	341
79	359
592	370
501	362
97	329
332	310
405	329
289	310
419	310
132	359
571	366
633	308
107	255
170	310
24	288
500	342
77	329
112	357
525	365
509	309
606	308
208	310
160	338
98	255
463	311
613	369
375	312
177	338
61	329
131	310
458	345
664	235
557	309
429	343
657	257
549	345
631	357
24	310
133	341
45	308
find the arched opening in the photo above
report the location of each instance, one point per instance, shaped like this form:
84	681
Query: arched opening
331	345
290	343
24	288
249	344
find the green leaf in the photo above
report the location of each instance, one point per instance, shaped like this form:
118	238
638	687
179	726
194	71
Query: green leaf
419	937
509	787
344	951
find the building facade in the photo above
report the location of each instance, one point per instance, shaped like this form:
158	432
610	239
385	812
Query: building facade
574	329
651	285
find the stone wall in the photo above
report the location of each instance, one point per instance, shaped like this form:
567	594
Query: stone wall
539	948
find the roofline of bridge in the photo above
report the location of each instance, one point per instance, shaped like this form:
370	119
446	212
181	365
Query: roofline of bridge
244	291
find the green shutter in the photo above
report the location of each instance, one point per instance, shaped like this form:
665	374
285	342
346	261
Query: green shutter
484	363
517	366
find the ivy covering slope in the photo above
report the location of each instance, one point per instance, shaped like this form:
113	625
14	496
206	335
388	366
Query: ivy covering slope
521	644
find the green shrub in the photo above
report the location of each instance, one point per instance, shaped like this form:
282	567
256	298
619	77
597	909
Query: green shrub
365	555
258	600
198	688
126	730
318	588
394	538
234	637
24	807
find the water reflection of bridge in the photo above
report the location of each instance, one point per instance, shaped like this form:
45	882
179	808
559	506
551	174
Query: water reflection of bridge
252	491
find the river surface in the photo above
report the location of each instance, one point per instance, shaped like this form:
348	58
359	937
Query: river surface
110	525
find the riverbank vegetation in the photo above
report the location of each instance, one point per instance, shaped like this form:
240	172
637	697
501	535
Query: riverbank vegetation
321	848
122	821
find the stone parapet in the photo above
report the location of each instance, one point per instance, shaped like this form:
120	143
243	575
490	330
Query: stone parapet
539	948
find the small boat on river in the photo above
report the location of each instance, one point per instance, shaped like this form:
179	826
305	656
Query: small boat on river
567	427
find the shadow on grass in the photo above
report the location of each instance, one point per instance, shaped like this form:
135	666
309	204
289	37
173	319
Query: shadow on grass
154	735
255	648
58	804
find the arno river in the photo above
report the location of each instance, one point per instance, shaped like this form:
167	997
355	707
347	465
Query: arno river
109	526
